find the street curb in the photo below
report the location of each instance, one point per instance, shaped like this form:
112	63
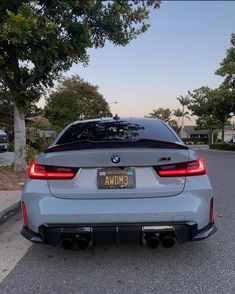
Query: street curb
224	151
9	212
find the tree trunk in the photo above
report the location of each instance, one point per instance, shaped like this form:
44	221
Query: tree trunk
222	137
19	140
209	136
212	137
182	127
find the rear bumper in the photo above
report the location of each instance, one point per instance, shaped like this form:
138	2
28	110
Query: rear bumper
119	233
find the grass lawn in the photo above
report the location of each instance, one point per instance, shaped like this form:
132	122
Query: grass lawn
9	180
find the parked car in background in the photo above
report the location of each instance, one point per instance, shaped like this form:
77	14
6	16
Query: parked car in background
117	180
4	141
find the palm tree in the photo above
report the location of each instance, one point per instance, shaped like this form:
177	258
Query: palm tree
184	102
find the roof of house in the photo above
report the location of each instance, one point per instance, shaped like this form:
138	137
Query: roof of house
192	130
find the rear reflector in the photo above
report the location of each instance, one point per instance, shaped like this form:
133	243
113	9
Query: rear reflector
24	213
211	218
41	171
191	168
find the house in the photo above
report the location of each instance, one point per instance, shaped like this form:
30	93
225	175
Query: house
229	133
192	132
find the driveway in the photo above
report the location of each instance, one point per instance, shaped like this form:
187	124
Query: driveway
6	158
198	267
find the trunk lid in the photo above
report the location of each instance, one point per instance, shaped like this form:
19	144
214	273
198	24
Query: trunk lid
143	160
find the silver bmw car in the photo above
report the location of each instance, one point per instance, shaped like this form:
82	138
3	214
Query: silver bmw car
115	180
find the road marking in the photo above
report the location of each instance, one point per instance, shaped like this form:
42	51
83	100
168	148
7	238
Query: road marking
12	246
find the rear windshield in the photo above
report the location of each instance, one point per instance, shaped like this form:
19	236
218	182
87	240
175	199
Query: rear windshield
117	131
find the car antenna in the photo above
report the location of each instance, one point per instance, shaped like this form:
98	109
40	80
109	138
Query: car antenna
116	117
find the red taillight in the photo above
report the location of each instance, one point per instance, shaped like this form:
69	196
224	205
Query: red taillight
24	212
41	171
191	168
211	218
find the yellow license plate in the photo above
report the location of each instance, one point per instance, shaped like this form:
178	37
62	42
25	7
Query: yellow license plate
109	178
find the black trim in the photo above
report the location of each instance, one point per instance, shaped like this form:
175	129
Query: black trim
81	145
52	233
31	236
205	232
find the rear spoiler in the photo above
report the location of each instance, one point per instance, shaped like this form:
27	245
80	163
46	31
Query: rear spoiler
86	144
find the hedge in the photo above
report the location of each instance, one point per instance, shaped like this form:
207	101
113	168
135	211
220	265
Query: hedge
223	146
195	140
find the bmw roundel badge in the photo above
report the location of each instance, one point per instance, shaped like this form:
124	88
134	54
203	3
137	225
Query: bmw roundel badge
115	159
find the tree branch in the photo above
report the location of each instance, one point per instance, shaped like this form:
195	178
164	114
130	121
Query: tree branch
39	70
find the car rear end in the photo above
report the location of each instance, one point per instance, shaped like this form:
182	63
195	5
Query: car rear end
117	180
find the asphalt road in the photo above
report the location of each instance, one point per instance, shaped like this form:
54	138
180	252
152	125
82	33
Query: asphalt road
199	267
6	158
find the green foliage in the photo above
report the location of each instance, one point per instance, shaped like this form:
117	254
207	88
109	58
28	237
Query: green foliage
223	146
30	154
164	114
208	123
227	66
190	141
184	101
6	110
213	107
11	147
73	100
181	113
39	38
199	102
161	113
221	102
34	141
5	168
43	124
227	70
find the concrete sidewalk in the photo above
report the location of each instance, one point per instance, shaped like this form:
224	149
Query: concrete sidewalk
9	203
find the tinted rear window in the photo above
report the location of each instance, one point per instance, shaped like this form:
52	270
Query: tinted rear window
117	131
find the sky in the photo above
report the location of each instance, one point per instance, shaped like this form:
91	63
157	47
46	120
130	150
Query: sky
184	46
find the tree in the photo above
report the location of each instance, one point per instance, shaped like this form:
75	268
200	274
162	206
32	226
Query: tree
227	70
184	102
73	100
222	106
215	107
180	114
199	99
39	39
216	104
227	66
164	114
208	123
6	110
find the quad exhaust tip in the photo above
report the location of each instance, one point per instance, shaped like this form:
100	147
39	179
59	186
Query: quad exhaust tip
67	243
167	241
152	241
82	242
